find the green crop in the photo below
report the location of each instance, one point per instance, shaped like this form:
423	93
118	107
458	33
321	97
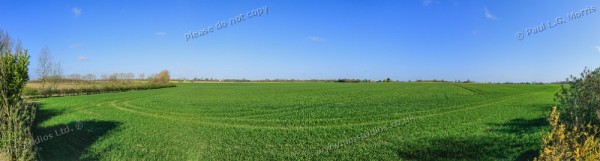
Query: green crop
299	121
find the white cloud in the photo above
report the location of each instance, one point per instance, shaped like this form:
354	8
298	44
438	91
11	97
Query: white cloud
160	34
82	58
489	14
73	46
455	3
76	11
315	39
427	2
598	48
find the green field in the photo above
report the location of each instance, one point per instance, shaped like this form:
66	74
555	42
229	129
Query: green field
290	121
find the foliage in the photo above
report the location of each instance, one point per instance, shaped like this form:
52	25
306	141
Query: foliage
387	80
16	117
574	127
30	91
351	80
578	143
579	101
161	78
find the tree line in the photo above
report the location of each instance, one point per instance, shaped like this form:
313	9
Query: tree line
114	83
109	88
50	73
50	76
114	77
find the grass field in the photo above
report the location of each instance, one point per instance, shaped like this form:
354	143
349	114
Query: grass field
289	121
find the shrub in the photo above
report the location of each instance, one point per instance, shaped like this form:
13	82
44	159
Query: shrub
30	91
162	78
579	102
46	92
578	143
16	117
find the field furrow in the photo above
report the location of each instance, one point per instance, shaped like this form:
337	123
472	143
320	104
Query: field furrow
289	121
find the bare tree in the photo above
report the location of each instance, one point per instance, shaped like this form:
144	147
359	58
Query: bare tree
19	46
44	69
90	77
151	78
129	76
142	76
121	76
105	77
56	75
5	42
74	77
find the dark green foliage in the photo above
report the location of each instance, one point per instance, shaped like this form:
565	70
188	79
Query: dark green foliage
30	91
387	80
16	117
579	101
351	80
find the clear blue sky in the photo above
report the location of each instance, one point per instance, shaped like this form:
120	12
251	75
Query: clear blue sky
400	39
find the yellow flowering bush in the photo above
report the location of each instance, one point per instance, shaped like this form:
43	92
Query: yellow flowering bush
577	143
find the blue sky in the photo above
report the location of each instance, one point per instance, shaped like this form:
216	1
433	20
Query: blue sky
403	40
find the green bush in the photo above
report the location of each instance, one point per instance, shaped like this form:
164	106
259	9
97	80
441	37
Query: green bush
579	104
30	91
579	101
16	117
